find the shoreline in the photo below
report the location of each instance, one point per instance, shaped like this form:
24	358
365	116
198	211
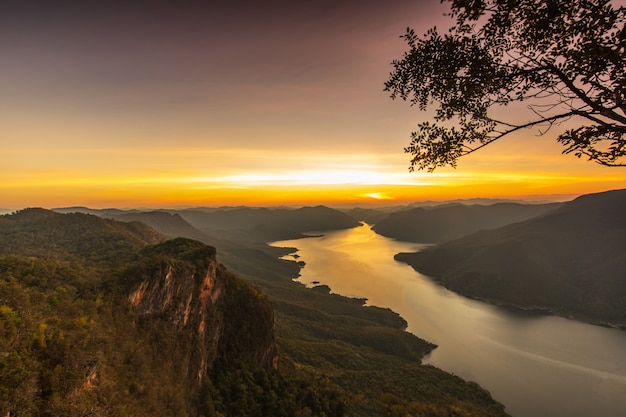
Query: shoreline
466	343
542	310
325	288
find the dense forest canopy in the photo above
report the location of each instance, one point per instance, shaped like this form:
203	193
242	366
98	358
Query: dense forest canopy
95	320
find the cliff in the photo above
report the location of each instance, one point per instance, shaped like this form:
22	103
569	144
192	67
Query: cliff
97	320
182	285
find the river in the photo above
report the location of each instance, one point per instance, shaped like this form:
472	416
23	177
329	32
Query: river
536	365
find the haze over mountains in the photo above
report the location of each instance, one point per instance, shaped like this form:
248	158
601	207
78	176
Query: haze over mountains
117	322
563	257
265	224
567	258
446	222
571	261
247	223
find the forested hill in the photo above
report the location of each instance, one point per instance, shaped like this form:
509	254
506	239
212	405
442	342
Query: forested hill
85	238
571	261
447	222
96	318
267	224
260	224
143	329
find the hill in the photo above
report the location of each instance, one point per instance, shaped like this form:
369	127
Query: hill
570	261
363	353
452	221
267	224
99	317
368	215
168	224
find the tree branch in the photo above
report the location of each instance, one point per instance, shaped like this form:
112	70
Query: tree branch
581	95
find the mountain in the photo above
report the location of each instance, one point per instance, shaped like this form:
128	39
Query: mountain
452	221
43	233
99	317
368	215
469	202
336	357
265	224
570	261
168	224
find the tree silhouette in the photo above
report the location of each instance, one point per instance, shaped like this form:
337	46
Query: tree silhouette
564	60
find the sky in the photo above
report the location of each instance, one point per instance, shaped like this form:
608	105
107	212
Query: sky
202	103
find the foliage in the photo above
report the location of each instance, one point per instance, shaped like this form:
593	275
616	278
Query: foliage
70	343
569	261
237	390
83	237
364	351
566	61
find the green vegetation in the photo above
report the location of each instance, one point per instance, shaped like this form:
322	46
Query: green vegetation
366	352
71	343
570	261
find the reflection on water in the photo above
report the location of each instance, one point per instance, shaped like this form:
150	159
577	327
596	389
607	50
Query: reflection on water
536	365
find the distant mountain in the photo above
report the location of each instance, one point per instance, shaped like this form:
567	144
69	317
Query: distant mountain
473	201
99	317
452	221
368	215
571	261
168	224
265	224
109	212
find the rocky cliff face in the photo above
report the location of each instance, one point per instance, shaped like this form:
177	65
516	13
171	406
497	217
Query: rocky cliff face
98	318
183	285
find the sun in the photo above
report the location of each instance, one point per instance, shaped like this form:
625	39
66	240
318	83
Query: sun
378	196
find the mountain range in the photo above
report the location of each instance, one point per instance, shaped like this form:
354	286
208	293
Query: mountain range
570	261
267	224
102	317
451	221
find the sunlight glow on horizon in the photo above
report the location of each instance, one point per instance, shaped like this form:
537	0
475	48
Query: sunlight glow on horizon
175	115
318	177
353	186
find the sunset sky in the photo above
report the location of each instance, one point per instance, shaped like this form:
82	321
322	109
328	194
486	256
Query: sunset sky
181	103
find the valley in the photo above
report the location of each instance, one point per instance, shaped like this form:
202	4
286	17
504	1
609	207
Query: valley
346	337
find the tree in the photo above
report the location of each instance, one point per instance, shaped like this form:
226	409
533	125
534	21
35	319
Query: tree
566	61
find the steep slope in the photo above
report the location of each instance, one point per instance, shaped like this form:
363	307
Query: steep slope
182	285
447	222
159	330
570	261
365	352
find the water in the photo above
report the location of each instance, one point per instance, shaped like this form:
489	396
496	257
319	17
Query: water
535	365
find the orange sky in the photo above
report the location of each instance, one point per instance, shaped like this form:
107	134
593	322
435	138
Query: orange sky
180	104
